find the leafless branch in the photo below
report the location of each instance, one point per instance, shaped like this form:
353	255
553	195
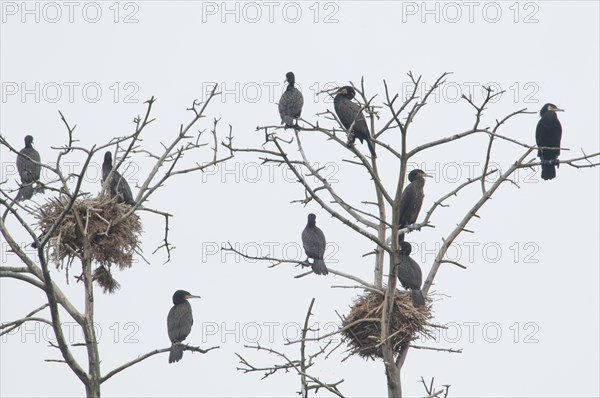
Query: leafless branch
300	366
36	269
10	326
450	350
147	355
277	261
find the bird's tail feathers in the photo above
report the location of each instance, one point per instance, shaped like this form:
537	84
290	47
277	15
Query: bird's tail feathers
417	296
176	353
371	148
319	268
548	171
25	192
288	120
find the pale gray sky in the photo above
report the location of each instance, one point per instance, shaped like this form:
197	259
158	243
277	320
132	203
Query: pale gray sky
525	312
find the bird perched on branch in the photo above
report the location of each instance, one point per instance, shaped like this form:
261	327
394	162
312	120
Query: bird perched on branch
548	134
409	274
350	113
29	170
179	323
412	199
314	244
118	186
290	104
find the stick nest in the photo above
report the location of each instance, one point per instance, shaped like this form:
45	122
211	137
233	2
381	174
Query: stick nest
90	224
362	326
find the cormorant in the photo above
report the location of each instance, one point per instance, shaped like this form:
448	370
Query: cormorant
409	274
314	244
290	104
548	134
29	171
179	323
412	199
350	112
118	186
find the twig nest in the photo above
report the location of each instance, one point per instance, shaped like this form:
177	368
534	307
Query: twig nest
105	279
96	225
362	327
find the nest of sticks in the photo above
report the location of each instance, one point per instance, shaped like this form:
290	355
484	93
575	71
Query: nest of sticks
96	224
362	326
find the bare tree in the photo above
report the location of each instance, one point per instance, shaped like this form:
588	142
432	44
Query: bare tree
76	226
301	366
391	122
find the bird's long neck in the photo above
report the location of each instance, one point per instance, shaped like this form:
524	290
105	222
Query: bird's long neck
311	224
402	255
290	85
106	168
419	183
337	99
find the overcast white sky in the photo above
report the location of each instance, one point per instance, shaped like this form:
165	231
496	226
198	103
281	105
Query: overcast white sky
525	312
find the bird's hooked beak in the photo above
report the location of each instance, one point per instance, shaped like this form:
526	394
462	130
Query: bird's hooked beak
427	175
189	296
555	109
342	91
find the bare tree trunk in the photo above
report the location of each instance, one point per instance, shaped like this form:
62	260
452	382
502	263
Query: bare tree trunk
92	389
365	219
393	377
68	194
392	370
381	230
93	386
56	323
380	254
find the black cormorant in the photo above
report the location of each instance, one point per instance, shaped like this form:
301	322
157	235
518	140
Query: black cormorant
412	199
179	323
314	244
290	104
347	112
28	170
548	134
409	274
118	186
